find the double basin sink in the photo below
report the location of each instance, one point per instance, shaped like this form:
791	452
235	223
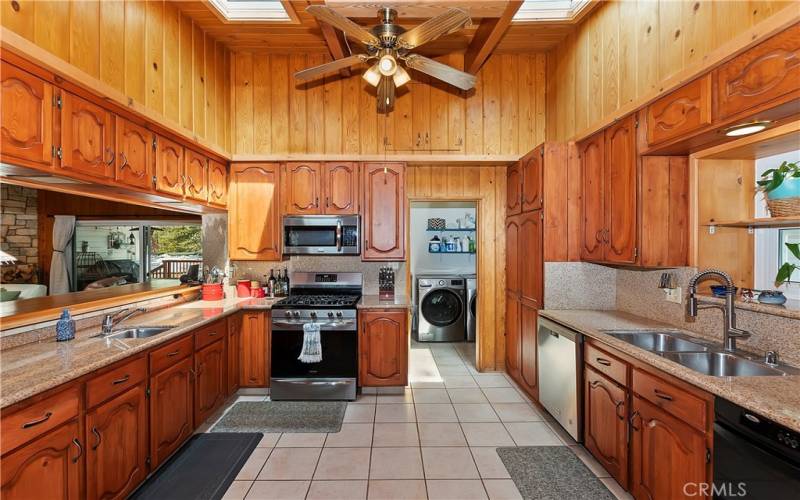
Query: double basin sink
139	332
707	359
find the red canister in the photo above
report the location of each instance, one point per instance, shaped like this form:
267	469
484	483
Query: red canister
243	288
212	291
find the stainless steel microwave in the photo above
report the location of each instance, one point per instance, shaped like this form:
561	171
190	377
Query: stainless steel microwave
321	235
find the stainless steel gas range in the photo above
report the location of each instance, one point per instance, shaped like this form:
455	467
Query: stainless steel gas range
328	299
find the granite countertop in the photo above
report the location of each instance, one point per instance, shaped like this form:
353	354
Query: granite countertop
375	302
34	368
777	398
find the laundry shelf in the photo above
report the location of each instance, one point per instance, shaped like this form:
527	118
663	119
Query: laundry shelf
451	230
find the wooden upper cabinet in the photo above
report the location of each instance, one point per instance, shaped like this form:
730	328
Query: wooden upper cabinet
620	192
253	369
302	188
217	183
384	212
592	157
340	183
514	189
605	423
531	263
679	113
87	138
665	211
196	171
26	123
169	167
532	179
254	219
512	255
171	409
767	75
135	157
48	467
116	454
383	347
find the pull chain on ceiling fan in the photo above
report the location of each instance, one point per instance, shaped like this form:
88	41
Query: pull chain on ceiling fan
389	45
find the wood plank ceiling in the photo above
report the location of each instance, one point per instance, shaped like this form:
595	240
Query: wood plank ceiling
306	36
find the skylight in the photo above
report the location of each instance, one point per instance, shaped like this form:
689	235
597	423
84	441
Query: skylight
547	10
251	10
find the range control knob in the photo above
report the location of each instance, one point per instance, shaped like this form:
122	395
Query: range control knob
330	314
338	314
792	442
313	314
296	314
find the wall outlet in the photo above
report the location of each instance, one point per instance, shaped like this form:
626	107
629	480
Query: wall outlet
673	295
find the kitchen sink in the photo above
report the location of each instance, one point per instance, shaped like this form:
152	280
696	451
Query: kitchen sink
141	332
720	364
657	341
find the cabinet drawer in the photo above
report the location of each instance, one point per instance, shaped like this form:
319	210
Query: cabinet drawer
38	418
166	356
680	112
209	334
681	404
608	365
116	381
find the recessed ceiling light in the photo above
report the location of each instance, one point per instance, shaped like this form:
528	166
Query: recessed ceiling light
746	128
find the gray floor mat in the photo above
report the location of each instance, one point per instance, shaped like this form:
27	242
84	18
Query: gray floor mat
551	472
283	416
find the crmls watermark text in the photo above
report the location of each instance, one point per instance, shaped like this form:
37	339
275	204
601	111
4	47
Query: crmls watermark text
727	490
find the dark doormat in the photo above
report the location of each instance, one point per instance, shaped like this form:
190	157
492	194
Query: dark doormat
203	469
551	472
283	416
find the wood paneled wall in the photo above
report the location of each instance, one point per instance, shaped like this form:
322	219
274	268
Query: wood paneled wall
487	186
626	49
272	114
146	49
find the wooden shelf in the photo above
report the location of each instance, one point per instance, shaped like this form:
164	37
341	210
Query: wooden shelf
762	222
452	230
450	253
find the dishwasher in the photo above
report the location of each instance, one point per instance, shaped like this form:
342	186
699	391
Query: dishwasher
560	354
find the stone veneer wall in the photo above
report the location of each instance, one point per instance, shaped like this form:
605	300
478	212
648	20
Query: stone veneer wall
19	227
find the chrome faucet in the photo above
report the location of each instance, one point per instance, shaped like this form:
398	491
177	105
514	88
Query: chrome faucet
111	320
729	332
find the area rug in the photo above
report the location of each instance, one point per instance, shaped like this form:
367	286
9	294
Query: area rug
283	416
203	469
551	472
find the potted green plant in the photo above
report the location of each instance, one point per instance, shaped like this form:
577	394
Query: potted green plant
786	270
781	187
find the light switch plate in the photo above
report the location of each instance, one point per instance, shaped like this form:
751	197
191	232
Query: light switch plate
673	295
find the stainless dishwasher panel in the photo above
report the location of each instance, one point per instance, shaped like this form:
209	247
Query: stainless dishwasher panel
560	368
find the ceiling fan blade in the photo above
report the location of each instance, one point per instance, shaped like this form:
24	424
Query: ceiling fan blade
322	69
337	20
385	94
440	71
443	24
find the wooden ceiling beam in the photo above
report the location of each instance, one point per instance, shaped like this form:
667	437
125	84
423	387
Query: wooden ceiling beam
489	33
334	39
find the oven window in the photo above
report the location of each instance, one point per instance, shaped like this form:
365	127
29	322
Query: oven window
311	236
339	355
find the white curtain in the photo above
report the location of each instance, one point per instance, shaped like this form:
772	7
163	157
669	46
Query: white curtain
63	228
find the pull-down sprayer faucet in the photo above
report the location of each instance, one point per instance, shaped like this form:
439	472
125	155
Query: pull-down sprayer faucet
729	333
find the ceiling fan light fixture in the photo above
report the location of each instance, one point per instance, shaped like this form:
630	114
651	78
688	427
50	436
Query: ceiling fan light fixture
373	75
387	65
401	77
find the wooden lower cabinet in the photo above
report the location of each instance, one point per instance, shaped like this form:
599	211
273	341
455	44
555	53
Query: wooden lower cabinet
528	349
383	347
255	350
116	448
51	466
234	352
171	410
210	389
666	454
513	341
605	427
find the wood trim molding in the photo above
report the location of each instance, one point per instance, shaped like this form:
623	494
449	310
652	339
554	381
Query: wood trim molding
410	159
489	33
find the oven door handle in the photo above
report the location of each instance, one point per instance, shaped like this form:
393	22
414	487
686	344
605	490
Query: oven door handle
339	235
329	325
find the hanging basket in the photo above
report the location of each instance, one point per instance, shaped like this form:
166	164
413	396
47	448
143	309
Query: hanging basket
784	207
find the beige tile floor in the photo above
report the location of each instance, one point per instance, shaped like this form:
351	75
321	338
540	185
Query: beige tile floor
435	439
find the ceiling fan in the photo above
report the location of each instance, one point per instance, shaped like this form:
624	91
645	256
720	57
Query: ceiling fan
389	45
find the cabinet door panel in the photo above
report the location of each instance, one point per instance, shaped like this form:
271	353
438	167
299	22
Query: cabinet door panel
384	348
620	192
49	467
591	157
134	165
680	112
302	186
512	255
116	455
26	123
196	170
531	265
254	219
217	184
513	340
210	386
171	410
169	167
528	362
605	424
341	181
87	138
384	224
514	189
532	180
234	351
255	350
767	73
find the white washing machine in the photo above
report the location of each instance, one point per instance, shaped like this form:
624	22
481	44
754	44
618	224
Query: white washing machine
441	308
472	306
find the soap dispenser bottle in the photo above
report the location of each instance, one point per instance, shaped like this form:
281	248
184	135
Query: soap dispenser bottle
65	327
